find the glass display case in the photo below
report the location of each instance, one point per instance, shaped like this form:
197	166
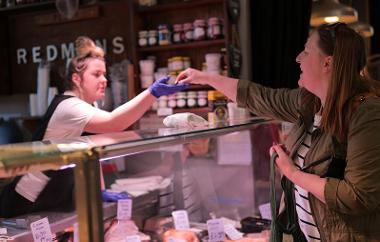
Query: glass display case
218	171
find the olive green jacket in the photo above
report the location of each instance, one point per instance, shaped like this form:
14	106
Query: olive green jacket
352	209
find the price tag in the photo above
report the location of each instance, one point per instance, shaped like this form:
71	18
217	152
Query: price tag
133	238
215	228
76	232
3	231
232	232
181	220
265	211
124	209
41	231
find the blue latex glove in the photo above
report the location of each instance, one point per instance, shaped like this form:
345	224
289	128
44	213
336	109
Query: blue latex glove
161	88
110	196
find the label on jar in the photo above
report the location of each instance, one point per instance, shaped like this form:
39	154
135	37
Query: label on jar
199	33
152	40
189	35
142	42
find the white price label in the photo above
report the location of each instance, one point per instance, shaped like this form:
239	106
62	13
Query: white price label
232	232
133	238
124	209
265	211
181	220
3	231
215	228
41	231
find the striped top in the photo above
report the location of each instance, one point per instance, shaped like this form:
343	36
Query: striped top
305	215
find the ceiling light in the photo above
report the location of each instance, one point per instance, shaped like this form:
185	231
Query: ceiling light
331	11
363	29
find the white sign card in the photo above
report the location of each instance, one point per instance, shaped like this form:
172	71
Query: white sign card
124	209
215	228
41	231
181	220
232	232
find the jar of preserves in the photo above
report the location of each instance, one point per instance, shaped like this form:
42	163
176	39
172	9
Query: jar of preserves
177	63
214	29
152	37
218	104
164	35
178	34
186	62
143	38
199	29
188	30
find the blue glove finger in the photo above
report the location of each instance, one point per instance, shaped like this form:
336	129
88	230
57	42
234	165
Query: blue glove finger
163	80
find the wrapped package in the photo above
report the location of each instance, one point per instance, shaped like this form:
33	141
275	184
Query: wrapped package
184	120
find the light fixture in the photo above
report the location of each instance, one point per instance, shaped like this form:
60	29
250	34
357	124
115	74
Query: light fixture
363	29
331	11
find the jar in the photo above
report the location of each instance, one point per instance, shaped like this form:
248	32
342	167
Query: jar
164	35
186	62
218	104
143	38
152	37
188	32
214	29
162	102
202	98
177	63
191	99
199	29
181	99
172	103
178	33
173	77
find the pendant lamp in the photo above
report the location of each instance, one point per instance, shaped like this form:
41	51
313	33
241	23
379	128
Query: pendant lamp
331	11
362	28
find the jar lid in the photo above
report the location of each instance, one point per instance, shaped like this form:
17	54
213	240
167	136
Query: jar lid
177	27
200	22
176	58
143	33
188	26
185	58
152	31
162	26
213	20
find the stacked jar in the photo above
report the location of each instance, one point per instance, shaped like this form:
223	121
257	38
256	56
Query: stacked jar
199	29
191	99
178	34
215	28
202	98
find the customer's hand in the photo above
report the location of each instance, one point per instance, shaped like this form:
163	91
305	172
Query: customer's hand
193	76
110	196
161	87
283	162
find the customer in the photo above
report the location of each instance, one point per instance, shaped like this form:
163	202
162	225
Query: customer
337	123
70	115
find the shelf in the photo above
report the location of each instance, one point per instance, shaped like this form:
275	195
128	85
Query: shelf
192	110
30	6
190	45
177	6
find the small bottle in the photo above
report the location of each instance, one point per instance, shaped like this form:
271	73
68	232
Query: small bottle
178	34
152	37
186	62
218	104
199	29
188	30
214	29
164	35
143	38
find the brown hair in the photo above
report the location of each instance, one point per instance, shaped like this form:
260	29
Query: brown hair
85	50
348	52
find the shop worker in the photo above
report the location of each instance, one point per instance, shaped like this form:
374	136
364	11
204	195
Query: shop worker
331	165
71	115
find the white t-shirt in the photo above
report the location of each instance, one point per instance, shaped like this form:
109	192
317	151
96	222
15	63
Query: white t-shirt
68	121
69	118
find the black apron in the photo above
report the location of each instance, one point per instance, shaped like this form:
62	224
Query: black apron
58	192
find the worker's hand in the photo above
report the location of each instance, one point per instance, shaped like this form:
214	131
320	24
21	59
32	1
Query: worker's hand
194	76
283	162
161	87
110	196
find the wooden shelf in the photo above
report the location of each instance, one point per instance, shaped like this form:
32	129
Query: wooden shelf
29	6
192	110
190	45
177	5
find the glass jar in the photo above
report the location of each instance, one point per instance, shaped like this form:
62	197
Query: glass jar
199	29
178	33
202	98
164	35
214	29
143	38
191	99
152	37
181	99
177	63
186	62
188	32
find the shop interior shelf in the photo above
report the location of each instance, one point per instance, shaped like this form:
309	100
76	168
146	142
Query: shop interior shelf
177	5
190	45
